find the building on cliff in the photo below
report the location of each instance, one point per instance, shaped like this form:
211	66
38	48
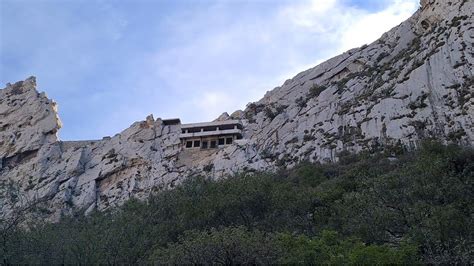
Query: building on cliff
210	135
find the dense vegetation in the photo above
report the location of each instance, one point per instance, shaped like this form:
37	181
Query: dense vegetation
365	209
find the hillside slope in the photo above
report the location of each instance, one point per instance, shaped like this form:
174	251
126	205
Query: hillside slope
415	82
363	210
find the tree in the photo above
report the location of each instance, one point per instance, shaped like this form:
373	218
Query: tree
227	246
15	208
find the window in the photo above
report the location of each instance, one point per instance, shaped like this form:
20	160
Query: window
194	130
208	129
213	144
226	127
189	144
228	141
197	143
204	145
221	142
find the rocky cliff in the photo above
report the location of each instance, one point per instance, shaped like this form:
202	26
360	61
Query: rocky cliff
415	82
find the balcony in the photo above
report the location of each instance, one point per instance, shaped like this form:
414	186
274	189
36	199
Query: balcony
234	131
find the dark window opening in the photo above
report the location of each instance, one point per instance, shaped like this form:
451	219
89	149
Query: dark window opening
208	129
194	130
228	141
231	126
171	122
221	141
204	144
213	144
226	127
197	143
189	144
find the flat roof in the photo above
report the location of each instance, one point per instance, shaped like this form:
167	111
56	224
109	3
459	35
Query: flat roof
227	132
211	124
171	121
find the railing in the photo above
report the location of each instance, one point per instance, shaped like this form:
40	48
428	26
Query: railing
211	133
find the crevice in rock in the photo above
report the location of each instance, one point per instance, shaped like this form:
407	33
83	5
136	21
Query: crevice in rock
16	160
429	82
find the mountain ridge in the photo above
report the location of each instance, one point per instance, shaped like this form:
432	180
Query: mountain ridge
415	82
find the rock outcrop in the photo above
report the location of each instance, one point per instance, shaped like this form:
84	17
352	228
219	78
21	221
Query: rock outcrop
28	119
415	82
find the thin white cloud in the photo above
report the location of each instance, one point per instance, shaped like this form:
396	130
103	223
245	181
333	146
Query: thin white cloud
234	64
368	27
309	14
212	102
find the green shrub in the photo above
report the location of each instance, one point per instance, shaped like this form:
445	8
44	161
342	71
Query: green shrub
208	168
271	112
315	90
363	211
301	102
226	246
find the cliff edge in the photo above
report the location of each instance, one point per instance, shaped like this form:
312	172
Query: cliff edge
415	82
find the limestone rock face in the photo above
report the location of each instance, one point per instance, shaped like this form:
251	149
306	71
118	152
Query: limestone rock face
415	82
28	119
425	3
223	117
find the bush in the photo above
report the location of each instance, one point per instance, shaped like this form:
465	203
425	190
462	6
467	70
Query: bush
226	246
301	102
208	168
315	90
363	211
271	112
331	248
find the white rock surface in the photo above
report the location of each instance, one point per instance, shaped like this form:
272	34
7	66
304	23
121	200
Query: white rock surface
28	119
415	82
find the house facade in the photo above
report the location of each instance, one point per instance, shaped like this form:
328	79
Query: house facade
210	135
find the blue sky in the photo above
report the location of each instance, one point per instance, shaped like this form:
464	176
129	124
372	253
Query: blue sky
108	63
